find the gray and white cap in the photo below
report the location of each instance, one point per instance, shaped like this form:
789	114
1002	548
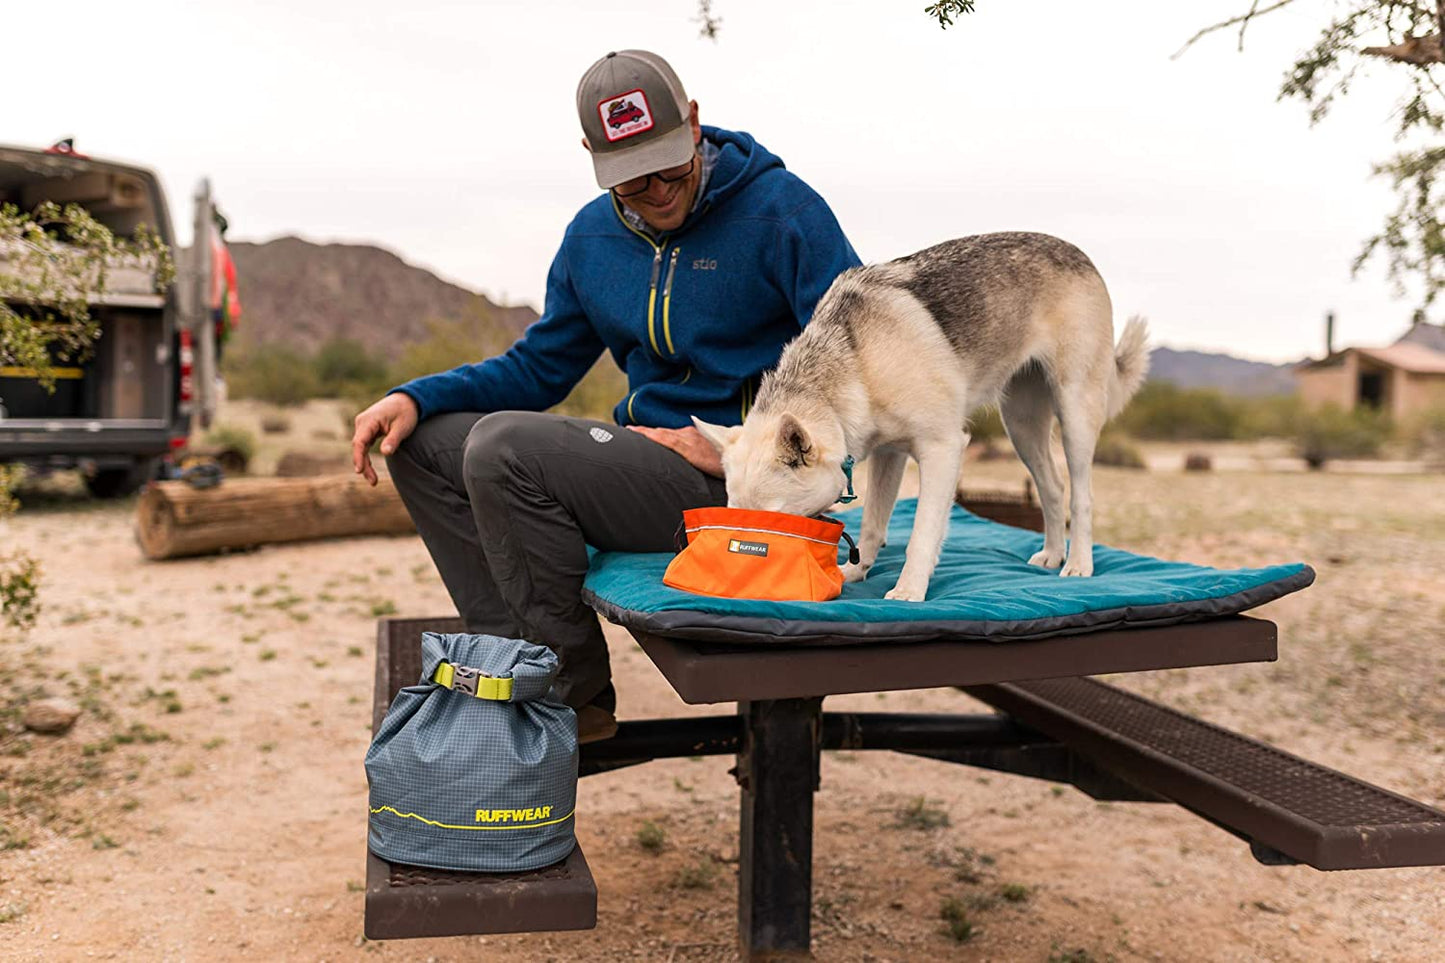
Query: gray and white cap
634	115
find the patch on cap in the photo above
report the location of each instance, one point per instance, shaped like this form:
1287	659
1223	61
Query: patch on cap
625	115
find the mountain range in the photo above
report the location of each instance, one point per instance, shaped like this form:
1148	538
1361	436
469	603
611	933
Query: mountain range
299	293
1231	375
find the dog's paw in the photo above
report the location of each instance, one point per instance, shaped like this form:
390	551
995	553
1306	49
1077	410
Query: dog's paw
1079	568
907	593
1047	559
854	573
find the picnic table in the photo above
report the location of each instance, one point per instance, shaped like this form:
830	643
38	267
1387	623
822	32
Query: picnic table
1052	721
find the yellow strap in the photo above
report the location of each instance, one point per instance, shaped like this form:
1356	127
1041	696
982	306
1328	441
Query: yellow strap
12	371
489	687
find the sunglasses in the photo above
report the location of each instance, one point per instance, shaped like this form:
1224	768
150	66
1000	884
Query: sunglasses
669	176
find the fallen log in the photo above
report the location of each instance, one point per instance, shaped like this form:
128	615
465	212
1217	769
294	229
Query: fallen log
174	520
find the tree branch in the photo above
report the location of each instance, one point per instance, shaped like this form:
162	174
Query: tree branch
1420	51
1242	20
1244	23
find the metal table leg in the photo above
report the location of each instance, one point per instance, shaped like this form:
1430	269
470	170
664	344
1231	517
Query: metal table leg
778	773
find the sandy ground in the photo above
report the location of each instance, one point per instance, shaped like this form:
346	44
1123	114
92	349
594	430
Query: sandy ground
211	804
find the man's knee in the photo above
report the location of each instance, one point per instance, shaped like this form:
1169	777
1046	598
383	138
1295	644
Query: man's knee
431	448
490	453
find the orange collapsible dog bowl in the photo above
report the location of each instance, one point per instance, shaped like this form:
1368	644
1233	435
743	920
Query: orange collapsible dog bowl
748	554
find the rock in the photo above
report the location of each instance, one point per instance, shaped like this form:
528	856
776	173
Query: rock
1198	461
51	715
306	464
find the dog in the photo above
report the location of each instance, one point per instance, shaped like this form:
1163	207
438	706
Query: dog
897	356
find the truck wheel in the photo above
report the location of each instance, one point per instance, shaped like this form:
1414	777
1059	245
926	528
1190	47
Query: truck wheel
120	482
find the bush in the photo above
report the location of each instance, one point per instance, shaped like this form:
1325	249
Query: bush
596	394
1424	434
235	438
1116	451
19	591
1277	416
651	837
274	373
1164	412
1331	432
956	922
449	344
344	367
986	425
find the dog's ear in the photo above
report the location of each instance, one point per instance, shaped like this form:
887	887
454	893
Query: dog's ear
795	448
717	435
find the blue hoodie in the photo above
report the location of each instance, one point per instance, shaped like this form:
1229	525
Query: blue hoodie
693	317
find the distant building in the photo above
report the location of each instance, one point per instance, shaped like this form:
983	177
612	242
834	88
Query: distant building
1402	379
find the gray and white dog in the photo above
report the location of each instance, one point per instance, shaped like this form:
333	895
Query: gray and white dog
898	355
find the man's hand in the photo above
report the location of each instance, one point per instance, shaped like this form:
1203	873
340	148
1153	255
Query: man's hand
689	443
393	418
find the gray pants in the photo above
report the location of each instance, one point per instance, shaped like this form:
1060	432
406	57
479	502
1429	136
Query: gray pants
507	504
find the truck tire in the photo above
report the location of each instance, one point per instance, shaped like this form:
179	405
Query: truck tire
120	482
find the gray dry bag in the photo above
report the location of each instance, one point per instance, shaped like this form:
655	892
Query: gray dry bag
475	767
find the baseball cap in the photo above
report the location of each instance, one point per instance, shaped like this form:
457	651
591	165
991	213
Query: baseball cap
634	115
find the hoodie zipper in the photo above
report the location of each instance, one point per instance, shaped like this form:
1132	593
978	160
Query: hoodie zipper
667	301
658	250
652	302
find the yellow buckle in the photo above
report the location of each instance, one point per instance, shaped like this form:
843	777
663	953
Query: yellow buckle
464	678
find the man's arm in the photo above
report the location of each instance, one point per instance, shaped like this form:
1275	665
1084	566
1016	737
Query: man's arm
532	375
812	251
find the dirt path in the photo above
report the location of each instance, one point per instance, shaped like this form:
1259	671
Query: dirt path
210	804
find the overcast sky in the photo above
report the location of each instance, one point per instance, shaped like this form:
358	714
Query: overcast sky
446	131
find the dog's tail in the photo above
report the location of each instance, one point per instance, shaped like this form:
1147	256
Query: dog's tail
1131	364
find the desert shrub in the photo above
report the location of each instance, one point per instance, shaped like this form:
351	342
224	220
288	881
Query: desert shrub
596	394
1273	416
275	424
270	372
19	591
957	925
1116	451
920	814
986	425
1165	412
1198	461
234	437
1424	434
344	367
447	345
651	837
1331	432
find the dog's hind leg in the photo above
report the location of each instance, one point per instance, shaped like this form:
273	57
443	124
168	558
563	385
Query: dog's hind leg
1083	408
885	474
1028	417
938	467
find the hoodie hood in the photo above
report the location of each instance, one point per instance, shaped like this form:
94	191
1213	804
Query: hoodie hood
740	161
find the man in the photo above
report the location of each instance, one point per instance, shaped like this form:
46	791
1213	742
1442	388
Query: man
703	259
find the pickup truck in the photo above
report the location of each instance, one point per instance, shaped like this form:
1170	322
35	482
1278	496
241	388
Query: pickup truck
152	372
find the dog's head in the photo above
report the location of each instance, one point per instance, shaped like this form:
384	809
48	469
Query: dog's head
773	462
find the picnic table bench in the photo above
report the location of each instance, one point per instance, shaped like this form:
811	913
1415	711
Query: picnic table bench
1052	722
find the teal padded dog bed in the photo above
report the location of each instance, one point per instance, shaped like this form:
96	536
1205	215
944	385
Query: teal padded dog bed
983	588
